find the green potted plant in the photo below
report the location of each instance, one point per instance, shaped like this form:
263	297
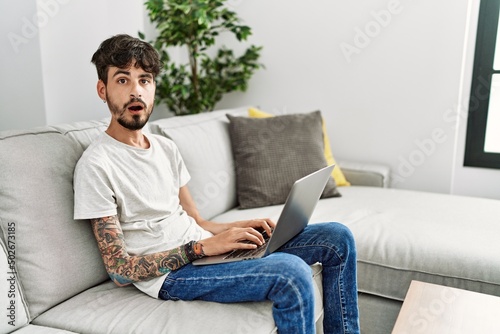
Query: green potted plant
197	85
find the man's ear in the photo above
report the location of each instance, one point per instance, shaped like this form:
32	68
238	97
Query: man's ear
101	90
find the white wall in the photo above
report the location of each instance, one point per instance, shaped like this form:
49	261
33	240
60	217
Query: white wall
386	74
21	87
389	76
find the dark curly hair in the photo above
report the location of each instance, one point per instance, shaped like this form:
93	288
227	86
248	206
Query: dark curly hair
120	51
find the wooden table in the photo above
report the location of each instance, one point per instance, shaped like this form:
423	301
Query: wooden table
430	308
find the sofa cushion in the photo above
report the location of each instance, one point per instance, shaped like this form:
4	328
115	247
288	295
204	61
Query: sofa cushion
11	295
56	257
406	235
84	132
109	309
205	146
33	329
337	173
272	153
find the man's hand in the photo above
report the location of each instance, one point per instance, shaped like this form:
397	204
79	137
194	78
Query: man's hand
263	224
234	235
230	236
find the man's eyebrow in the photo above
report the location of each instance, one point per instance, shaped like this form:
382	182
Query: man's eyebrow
143	75
121	72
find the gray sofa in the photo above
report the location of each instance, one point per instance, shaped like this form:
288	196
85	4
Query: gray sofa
61	286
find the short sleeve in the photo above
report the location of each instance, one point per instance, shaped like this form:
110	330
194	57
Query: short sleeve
94	197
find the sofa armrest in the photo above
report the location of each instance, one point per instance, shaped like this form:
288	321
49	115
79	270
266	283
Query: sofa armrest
366	174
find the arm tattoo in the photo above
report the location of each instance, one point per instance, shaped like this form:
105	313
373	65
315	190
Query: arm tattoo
125	269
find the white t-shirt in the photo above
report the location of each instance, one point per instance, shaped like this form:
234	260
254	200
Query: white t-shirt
141	186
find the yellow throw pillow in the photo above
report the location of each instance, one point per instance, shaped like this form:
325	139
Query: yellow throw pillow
337	174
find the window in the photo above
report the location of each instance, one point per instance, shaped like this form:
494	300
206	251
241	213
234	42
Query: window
482	147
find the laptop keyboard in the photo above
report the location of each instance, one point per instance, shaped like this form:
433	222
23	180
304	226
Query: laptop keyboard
243	253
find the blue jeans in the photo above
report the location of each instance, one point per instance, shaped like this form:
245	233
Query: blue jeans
285	278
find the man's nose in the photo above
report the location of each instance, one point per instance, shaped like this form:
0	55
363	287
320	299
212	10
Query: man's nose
136	91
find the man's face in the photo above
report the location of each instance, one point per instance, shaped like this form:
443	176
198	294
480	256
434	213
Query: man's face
130	95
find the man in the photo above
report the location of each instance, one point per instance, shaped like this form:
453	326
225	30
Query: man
133	188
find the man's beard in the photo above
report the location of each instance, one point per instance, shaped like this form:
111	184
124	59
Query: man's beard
136	123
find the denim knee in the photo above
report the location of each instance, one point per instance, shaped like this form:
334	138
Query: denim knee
289	264
342	238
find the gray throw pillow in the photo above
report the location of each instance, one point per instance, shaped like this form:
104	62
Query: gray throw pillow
271	153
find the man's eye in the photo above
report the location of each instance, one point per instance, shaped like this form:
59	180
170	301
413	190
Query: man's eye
122	81
145	81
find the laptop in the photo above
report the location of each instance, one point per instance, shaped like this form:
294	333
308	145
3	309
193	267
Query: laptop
294	217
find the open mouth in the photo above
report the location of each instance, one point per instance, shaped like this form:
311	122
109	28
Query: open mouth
135	107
